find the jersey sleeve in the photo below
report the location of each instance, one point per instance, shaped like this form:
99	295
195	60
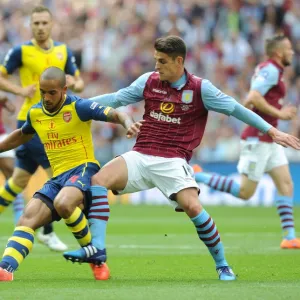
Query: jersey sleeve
91	110
12	60
264	79
214	99
129	95
71	66
27	126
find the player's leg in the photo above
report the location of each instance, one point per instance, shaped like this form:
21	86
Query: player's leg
13	186
7	163
279	171
121	175
35	215
46	234
174	178
251	166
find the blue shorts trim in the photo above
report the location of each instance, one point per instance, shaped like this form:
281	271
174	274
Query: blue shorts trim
79	177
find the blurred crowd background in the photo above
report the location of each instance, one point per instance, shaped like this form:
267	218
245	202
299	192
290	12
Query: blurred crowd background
112	41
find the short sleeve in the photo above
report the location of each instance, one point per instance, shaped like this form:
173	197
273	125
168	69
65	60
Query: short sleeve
27	126
91	110
216	100
264	79
71	66
12	60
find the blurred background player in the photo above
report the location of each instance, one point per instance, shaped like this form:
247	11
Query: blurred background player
259	154
32	58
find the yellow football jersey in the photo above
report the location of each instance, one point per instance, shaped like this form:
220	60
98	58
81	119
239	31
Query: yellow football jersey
32	60
66	134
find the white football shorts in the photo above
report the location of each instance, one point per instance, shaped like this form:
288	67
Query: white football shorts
257	158
169	175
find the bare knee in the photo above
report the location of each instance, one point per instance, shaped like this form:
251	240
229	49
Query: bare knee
63	208
191	208
27	220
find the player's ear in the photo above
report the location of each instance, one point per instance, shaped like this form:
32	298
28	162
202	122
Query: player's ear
65	89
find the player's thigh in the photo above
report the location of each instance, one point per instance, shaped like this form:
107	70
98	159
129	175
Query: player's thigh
124	174
253	159
282	179
67	200
7	166
172	175
21	177
49	172
35	215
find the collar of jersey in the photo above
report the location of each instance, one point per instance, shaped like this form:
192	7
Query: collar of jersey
41	49
46	112
180	83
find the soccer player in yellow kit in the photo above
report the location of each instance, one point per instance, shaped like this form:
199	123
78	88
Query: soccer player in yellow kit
32	58
63	124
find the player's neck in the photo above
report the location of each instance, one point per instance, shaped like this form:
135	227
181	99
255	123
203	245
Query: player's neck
45	45
278	61
177	77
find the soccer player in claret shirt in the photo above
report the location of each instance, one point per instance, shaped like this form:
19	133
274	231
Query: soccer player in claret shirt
32	58
63	124
259	153
176	109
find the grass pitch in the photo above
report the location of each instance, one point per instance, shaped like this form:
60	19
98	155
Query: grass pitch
154	253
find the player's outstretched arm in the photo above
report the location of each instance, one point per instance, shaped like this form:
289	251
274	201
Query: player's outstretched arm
14	139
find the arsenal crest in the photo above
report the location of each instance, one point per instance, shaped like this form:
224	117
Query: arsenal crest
67	116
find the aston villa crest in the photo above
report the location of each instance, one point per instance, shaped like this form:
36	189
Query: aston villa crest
187	96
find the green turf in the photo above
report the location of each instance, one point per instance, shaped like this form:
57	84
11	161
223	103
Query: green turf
154	253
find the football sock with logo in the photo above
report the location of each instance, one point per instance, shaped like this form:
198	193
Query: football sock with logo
209	235
77	223
8	194
17	248
284	206
98	216
218	182
18	207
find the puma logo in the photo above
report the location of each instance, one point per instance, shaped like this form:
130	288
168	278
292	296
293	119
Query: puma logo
39	121
82	184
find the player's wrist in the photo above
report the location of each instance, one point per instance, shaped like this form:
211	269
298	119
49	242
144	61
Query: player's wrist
272	132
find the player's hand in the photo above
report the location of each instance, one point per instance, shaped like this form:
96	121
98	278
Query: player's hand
70	81
3	99
134	129
288	112
284	139
28	91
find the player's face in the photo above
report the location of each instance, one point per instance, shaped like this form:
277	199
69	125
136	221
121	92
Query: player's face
286	52
52	94
169	69
41	25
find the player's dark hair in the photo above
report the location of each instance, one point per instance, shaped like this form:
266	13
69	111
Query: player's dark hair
41	8
54	73
273	43
171	45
